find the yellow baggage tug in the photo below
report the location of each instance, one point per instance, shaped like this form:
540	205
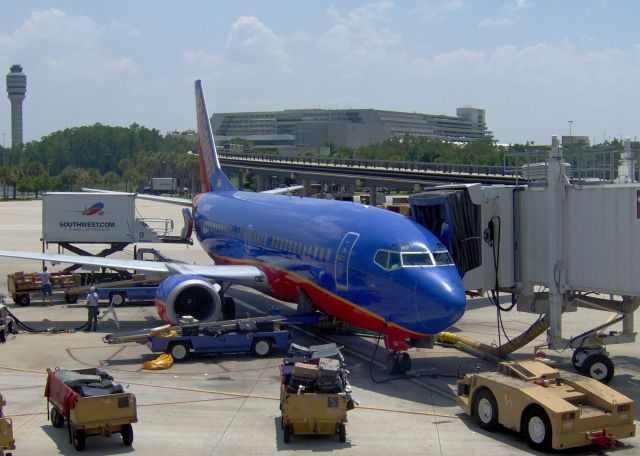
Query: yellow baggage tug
551	407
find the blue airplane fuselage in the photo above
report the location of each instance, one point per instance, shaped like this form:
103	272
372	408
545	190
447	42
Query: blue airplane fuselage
332	250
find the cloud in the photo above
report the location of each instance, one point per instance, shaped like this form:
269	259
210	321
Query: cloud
497	22
360	37
430	11
252	42
125	28
300	37
53	30
518	5
509	17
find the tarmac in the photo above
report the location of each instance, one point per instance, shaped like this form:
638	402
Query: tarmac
228	405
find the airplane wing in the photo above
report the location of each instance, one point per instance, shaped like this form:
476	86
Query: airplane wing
163	199
279	191
234	274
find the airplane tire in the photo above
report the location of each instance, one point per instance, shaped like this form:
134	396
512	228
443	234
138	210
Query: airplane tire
179	351
393	366
537	429
404	362
486	410
599	367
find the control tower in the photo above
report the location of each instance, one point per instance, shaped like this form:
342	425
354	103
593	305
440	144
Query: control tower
16	90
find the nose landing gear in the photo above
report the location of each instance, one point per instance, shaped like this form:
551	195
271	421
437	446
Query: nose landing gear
398	362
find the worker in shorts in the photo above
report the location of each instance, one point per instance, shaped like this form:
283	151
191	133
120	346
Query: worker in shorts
93	310
45	278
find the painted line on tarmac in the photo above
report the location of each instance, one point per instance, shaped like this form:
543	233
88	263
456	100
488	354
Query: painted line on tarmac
225	393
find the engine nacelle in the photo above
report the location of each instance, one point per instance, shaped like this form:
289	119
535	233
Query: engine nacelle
184	295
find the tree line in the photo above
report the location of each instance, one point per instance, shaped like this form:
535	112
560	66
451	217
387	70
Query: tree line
126	158
115	158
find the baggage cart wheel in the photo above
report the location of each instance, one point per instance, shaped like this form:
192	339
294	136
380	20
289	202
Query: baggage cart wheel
70	298
486	410
286	433
180	351
3	336
342	432
117	299
79	440
537	429
127	434
598	367
57	419
261	347
23	300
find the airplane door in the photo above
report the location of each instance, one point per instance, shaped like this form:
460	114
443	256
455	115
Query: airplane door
342	260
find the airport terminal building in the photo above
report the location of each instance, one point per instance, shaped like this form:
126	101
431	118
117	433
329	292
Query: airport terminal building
298	130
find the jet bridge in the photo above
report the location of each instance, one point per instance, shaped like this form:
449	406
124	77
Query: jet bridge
555	246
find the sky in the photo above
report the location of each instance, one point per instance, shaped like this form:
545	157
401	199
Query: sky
538	67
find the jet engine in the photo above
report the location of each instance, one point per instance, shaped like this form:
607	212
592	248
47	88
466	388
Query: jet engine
185	295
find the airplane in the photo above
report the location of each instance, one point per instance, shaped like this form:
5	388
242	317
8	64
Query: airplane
369	267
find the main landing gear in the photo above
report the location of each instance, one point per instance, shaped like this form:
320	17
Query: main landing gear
398	362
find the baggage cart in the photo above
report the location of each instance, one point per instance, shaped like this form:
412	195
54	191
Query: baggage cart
92	413
21	284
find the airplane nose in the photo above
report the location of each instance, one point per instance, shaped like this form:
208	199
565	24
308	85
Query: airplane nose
440	300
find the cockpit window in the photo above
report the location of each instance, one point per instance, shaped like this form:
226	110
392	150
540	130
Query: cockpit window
382	258
442	258
394	260
410	259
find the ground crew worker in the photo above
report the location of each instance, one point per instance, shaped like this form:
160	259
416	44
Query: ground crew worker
46	286
93	310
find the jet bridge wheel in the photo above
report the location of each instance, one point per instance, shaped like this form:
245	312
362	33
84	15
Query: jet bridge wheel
599	367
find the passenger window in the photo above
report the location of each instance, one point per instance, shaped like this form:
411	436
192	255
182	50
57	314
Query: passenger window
382	258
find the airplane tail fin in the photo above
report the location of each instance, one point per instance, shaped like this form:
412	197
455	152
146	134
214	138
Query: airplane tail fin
211	176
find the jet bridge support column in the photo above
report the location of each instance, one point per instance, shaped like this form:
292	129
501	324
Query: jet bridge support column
556	182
